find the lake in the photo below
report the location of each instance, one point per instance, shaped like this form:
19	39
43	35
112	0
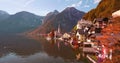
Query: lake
21	49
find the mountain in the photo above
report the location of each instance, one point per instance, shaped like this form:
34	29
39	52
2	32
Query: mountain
3	15
50	15
104	9
20	22
66	19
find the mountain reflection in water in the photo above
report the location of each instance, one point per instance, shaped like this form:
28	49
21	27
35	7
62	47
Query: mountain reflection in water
20	49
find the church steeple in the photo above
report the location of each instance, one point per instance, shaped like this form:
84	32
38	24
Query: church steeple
59	31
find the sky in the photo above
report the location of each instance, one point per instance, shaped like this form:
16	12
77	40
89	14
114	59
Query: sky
42	7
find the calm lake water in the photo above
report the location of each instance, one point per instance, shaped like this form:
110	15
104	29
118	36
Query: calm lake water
20	49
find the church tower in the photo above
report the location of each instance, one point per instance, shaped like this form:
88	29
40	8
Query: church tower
59	31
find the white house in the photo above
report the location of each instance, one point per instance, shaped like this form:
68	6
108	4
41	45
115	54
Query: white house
116	14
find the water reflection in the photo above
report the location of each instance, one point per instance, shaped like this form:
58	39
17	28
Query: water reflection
18	45
57	48
36	58
20	49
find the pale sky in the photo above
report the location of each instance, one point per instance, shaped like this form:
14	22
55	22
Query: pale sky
42	7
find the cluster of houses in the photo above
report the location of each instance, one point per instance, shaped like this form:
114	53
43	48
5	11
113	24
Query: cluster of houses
83	36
